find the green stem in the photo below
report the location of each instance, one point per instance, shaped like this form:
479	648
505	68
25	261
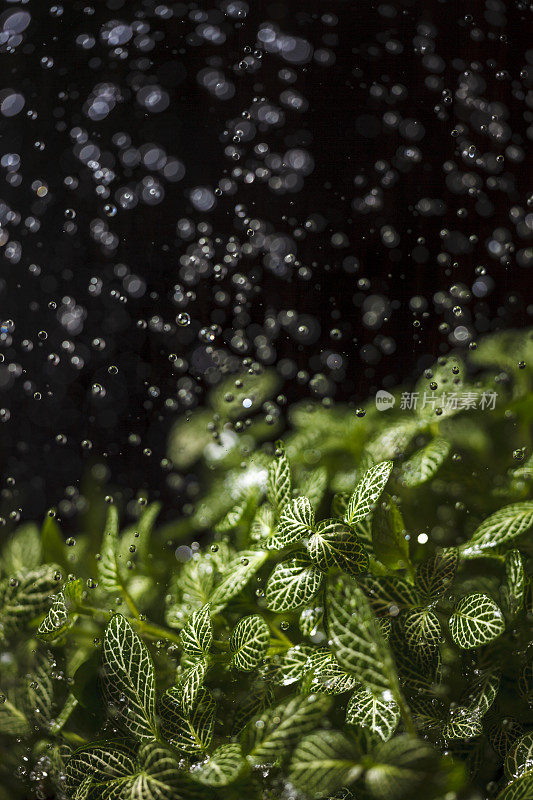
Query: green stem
279	635
130	603
66	711
405	712
146	628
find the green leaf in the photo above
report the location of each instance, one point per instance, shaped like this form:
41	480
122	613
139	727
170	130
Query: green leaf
191	590
13	720
129	681
357	640
388	594
197	635
104	762
476	621
40	692
419	630
334	544
309	620
326	675
425	463
367	492
389	540
295	663
323	762
296	520
53	545
108	567
401	766
249	642
241	511
190	731
435	575
520	789
372	712
271	737
157	775
236	576
279	481
190	683
313	485
482	692
501	527
292	584
463	724
56	622
263	525
22	551
520	759
26	597
221	768
514	589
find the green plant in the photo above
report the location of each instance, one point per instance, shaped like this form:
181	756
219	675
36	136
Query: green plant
357	622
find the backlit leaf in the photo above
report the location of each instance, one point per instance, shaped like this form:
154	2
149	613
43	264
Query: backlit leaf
514	588
520	759
236	576
108	566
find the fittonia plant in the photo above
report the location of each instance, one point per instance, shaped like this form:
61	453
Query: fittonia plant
356	623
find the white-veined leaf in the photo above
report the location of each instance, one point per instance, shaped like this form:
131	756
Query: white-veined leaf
367	492
334	544
188	731
221	768
374	712
26	597
190	682
56	622
463	724
13	721
279	484
309	620
388	594
326	675
435	575
476	621
157	777
295	521
357	640
295	663
514	588
503	526
197	635
425	463
263	525
419	630
323	762
520	789
108	567
249	642
129	680
40	692
292	584
275	733
520	759
104	762
235	577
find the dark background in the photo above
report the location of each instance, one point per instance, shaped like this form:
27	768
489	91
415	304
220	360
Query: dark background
470	106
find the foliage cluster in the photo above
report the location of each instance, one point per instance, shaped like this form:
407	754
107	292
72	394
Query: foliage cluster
356	623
